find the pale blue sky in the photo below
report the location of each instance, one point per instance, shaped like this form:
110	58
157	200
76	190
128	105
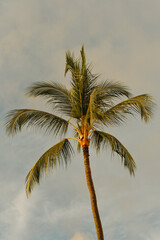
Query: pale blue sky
122	40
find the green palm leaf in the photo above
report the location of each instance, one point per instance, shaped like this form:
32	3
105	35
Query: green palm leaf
101	99
83	83
56	94
83	57
18	118
59	153
72	65
101	139
96	106
114	90
142	104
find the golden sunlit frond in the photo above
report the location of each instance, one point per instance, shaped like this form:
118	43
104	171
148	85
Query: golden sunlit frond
102	139
142	104
59	153
57	95
18	118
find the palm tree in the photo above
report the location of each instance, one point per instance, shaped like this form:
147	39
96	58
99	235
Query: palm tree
87	107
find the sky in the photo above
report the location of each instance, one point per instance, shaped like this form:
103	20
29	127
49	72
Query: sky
121	40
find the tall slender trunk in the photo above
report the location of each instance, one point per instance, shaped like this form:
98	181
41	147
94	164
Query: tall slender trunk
93	198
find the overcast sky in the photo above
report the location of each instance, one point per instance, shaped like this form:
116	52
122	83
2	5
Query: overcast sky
122	40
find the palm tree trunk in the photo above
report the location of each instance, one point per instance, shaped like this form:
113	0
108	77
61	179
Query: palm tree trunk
93	198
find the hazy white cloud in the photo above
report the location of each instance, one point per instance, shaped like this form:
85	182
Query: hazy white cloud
154	236
15	217
80	236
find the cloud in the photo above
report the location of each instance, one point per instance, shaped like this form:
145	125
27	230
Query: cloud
154	236
80	236
15	216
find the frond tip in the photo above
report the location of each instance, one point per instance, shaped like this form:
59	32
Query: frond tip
61	153
101	139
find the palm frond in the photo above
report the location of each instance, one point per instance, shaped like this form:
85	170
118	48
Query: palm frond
142	104
96	106
56	94
101	99
18	118
83	83
83	57
72	65
101	139
59	153
114	89
102	96
81	94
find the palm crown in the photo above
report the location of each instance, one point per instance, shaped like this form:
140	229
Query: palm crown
86	107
